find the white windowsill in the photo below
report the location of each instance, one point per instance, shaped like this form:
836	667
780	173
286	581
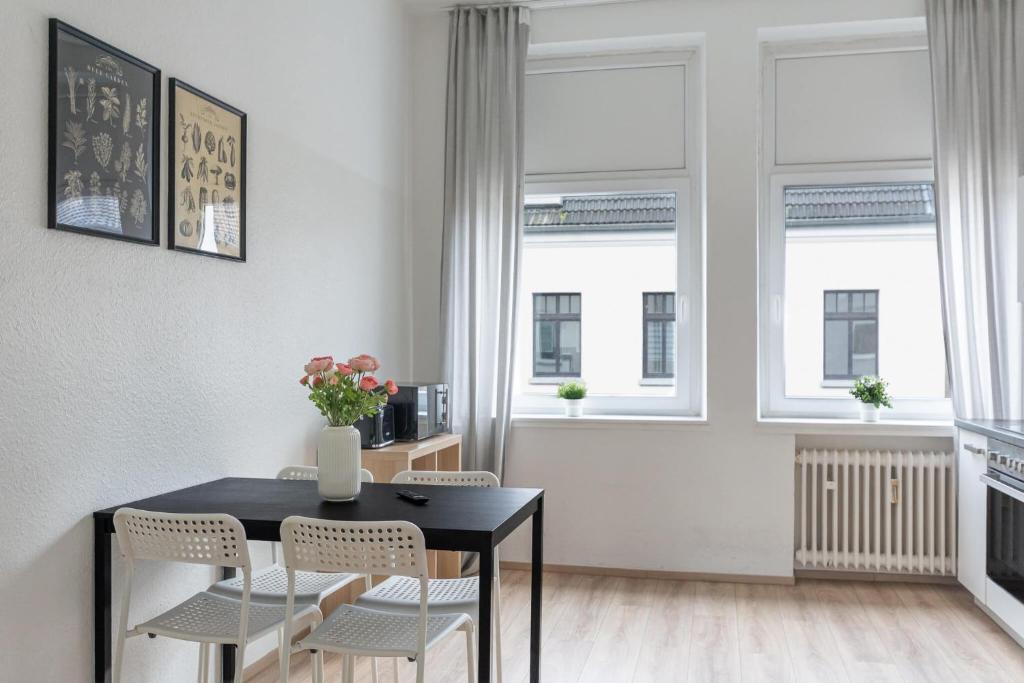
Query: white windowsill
657	382
553	380
558	421
836	426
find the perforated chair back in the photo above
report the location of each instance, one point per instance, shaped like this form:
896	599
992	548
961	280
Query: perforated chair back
213	539
310	473
431	477
299	472
381	548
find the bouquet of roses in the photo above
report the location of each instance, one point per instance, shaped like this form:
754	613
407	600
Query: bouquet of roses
345	392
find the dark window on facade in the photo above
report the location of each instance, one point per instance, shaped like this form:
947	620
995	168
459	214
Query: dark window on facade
851	333
556	335
659	334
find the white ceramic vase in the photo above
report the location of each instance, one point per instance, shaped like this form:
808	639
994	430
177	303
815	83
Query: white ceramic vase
869	412
339	457
573	407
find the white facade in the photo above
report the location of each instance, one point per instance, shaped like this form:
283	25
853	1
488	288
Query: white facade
901	263
610	272
898	261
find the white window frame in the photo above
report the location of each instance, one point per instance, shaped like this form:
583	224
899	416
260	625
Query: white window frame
772	399
688	185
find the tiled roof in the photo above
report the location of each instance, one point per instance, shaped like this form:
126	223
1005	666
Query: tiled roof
603	213
873	204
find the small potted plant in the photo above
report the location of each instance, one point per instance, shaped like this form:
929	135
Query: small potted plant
573	394
873	393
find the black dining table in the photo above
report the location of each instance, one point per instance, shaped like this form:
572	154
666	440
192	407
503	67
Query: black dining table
467	519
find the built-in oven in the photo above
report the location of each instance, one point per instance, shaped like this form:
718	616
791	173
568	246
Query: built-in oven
1004	547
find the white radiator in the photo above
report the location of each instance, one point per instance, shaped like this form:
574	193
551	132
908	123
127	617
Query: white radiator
876	511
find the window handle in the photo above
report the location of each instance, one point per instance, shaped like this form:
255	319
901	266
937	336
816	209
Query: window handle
684	309
777	308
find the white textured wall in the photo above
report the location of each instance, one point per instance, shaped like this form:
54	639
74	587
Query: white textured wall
714	498
129	370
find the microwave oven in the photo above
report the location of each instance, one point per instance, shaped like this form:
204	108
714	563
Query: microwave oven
421	411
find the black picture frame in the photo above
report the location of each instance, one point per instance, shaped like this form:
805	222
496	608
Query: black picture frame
174	144
121	66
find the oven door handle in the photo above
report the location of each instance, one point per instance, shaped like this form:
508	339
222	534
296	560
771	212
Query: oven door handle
994	483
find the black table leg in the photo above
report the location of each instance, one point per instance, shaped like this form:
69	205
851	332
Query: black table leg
227	652
536	579
485	618
101	579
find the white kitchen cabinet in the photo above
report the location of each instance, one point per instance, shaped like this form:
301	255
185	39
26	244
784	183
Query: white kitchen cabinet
972	462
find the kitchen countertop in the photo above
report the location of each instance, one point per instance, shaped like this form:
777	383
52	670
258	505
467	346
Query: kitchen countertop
1010	431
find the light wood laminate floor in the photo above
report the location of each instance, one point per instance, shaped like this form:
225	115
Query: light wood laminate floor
617	630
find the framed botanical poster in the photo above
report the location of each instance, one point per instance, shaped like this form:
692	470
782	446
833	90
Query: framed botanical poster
104	146
206	174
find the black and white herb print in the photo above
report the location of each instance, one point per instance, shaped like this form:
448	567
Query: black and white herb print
103	146
207	147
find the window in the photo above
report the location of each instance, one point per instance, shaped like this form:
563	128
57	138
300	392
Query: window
556	335
848	281
608	220
659	334
838	250
613	245
851	334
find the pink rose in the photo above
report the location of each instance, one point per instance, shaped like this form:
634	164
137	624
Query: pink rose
323	362
304	380
317	380
310	368
368	383
391	387
364	363
333	379
345	369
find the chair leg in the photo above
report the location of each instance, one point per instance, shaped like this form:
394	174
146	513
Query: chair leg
349	665
396	660
420	673
239	662
496	630
318	666
470	659
373	670
204	663
118	654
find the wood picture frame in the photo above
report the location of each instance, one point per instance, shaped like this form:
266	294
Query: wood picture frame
103	157
206	138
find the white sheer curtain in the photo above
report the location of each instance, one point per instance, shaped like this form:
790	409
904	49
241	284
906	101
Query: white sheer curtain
975	84
482	215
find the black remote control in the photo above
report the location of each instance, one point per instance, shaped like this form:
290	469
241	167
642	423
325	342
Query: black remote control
413	497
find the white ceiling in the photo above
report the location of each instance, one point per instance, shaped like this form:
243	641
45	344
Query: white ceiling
438	5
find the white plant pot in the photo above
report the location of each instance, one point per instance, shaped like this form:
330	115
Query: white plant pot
573	407
339	457
869	413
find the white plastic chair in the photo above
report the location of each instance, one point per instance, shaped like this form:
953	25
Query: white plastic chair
270	584
394	549
444	596
205	618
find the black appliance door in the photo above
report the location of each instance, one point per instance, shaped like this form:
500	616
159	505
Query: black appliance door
1005	529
